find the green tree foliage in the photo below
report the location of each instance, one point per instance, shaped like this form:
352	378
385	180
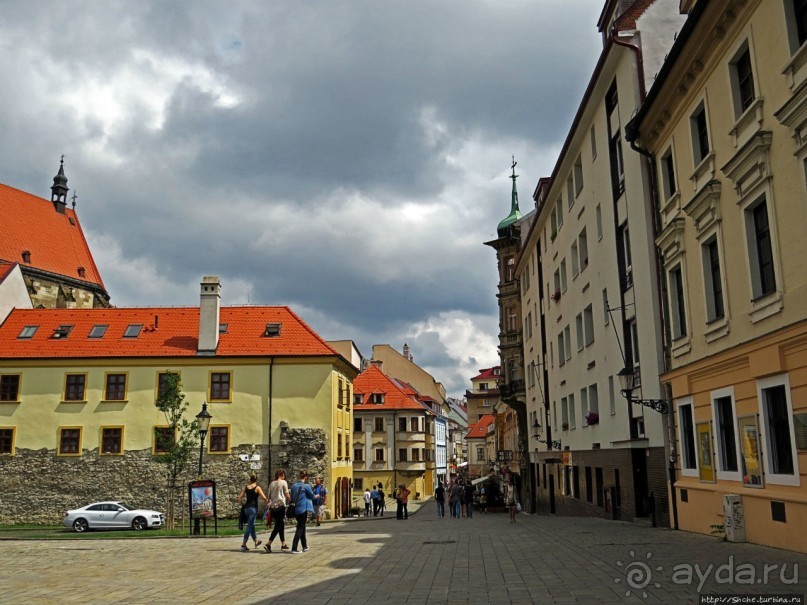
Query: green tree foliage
178	440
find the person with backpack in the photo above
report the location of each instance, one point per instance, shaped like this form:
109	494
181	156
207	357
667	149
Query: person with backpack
302	496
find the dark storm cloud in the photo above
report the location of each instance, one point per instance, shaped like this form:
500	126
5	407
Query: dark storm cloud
345	158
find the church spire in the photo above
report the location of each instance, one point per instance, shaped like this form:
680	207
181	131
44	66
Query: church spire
59	189
515	213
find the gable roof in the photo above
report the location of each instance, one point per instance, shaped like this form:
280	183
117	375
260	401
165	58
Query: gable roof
55	241
166	332
479	430
488	373
5	269
373	380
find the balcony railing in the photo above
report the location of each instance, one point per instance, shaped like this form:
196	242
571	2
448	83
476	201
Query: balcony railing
512	389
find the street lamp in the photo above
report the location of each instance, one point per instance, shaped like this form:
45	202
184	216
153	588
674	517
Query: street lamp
536	434
203	418
627	383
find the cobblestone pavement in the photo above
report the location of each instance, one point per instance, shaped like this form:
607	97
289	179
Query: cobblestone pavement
421	560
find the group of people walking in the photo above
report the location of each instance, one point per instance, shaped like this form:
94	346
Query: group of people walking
376	499
460	499
299	502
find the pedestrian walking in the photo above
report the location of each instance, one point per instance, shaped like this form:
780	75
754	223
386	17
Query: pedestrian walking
367	499
405	501
470	488
510	499
249	496
382	503
483	500
374	498
279	497
303	498
440	498
455	500
320	497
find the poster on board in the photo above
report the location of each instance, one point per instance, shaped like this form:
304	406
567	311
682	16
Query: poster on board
202	499
705	458
749	448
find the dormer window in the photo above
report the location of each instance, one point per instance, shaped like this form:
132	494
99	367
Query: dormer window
98	331
62	331
377	398
357	399
28	332
82	272
272	330
133	331
26	256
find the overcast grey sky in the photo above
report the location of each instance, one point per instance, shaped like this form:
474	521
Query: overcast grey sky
348	159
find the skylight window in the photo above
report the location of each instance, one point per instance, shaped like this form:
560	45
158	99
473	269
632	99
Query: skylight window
62	331
28	332
133	331
272	330
222	328
98	331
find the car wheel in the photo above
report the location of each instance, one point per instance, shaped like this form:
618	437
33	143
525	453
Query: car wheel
139	524
81	525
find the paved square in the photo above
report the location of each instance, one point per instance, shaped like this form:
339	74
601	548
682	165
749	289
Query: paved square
422	560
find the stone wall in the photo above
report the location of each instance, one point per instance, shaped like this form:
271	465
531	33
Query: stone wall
37	486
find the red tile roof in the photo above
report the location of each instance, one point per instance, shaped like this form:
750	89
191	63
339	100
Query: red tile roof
167	332
480	429
55	241
488	373
373	380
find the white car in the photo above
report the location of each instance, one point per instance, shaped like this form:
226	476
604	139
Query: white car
112	515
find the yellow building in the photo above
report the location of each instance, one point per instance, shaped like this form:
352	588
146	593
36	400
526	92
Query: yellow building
78	386
724	125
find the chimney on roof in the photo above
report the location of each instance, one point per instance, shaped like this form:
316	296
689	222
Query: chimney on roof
209	311
377	363
59	190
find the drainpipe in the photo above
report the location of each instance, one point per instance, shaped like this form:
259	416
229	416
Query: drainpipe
269	456
661	290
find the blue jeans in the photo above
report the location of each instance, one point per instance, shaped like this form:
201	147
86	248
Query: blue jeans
456	509
250	530
441	509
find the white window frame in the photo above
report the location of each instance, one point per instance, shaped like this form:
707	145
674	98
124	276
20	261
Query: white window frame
718	437
770	477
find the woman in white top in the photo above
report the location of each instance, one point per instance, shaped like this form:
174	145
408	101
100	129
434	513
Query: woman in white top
278	498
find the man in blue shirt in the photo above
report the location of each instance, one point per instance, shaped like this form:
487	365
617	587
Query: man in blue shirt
375	497
320	495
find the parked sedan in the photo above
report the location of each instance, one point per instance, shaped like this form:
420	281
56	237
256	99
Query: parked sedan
112	515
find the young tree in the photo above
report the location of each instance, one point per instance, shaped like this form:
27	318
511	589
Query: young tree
178	440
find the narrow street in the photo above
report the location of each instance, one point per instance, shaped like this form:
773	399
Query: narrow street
421	560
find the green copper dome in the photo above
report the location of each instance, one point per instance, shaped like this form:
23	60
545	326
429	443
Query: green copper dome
515	213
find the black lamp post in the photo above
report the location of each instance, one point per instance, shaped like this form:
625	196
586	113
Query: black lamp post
627	383
203	418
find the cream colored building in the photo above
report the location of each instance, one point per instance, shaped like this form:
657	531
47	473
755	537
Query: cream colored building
725	123
587	276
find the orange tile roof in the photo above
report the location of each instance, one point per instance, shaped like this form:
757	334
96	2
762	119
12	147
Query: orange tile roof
373	380
55	241
167	332
480	429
